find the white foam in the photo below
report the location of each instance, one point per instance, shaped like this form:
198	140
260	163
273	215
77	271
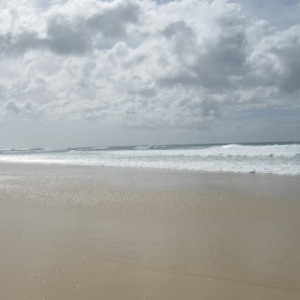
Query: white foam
272	159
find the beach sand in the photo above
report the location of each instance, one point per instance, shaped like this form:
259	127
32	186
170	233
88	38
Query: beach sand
70	232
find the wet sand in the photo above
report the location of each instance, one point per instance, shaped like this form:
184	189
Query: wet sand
110	233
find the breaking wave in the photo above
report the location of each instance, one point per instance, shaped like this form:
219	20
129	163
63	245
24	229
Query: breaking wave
283	158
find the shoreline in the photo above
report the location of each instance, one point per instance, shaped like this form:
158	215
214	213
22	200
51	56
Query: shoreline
251	173
70	232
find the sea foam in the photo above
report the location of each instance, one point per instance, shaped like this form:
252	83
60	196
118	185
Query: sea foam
257	158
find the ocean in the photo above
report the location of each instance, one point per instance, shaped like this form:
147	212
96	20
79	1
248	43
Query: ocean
264	158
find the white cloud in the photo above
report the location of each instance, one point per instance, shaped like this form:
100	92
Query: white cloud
181	64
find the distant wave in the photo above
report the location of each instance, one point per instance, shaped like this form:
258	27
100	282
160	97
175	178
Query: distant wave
149	147
256	158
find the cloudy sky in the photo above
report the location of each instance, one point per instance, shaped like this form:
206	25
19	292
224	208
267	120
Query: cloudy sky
113	72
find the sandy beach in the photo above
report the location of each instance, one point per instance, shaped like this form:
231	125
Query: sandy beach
70	232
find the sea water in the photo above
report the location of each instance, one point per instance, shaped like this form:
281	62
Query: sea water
265	158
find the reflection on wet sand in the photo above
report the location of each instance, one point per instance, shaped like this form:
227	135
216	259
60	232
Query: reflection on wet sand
93	233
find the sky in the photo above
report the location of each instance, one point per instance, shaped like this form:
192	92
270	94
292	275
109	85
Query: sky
115	72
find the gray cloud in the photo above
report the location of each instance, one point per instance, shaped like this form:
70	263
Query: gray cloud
63	38
141	64
75	36
112	23
282	14
287	51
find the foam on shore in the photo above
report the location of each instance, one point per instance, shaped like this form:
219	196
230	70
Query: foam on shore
280	159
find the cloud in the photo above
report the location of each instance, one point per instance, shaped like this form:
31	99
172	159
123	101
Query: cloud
282	14
67	30
144	64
